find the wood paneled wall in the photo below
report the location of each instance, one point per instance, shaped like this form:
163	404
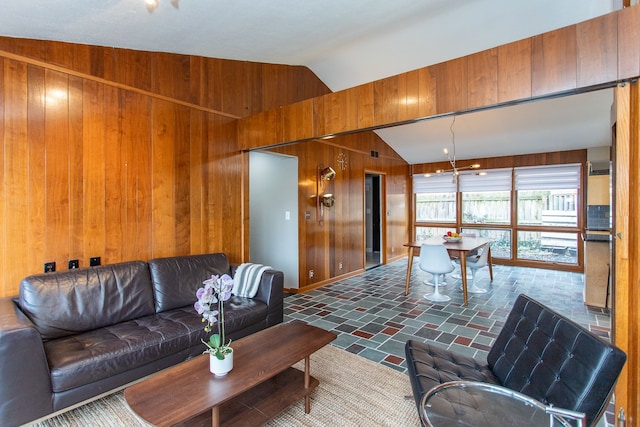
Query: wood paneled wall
124	154
534	159
232	88
601	51
336	235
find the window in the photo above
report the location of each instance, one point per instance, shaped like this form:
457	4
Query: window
530	213
548	199
501	244
548	246
486	197
435	198
423	233
548	196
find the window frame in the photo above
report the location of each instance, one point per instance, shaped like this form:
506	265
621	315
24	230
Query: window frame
513	227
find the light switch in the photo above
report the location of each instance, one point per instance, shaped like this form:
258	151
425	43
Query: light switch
287	215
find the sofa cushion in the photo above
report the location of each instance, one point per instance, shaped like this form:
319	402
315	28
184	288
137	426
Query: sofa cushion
176	279
86	358
74	301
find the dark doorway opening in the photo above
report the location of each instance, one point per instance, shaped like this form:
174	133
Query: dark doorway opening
373	220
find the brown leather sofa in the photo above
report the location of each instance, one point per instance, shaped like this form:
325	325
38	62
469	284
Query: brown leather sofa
75	335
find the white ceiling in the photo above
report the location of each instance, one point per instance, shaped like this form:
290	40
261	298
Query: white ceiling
347	43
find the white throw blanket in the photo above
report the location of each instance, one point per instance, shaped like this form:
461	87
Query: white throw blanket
246	281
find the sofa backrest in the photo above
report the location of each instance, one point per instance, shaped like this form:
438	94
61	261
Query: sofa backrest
73	301
548	357
175	280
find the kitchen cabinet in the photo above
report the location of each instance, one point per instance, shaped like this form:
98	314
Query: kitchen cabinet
597	258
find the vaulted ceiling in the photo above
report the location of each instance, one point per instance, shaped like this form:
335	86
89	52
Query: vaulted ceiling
347	43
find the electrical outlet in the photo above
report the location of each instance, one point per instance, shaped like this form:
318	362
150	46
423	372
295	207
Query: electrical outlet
310	274
73	263
49	267
340	265
94	261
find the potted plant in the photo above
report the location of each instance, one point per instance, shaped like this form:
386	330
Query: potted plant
210	305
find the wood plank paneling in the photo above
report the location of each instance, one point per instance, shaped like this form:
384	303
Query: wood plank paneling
16	162
5	287
597	45
196	191
182	185
143	183
115	179
628	46
76	178
116	153
93	149
295	123
554	61
451	86
626	296
427	92
337	236
514	71
385	98
412	95
483	79
542	66
364	96
37	154
163	176
56	177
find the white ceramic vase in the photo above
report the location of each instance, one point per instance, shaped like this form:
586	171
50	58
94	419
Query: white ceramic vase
220	368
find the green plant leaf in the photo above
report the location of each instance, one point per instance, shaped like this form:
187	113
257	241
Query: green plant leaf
214	341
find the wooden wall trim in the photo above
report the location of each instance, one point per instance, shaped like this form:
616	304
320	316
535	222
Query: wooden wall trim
626	244
589	55
74	73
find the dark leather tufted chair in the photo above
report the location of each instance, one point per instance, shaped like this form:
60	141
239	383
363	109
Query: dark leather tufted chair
539	353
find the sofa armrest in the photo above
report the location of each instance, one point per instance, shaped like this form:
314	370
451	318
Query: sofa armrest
271	292
25	389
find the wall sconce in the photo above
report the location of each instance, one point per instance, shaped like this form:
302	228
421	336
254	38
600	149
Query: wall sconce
323	200
328	200
326	174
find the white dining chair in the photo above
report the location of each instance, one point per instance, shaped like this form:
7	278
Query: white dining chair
476	262
435	259
456	260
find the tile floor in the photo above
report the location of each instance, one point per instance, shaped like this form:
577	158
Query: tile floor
373	318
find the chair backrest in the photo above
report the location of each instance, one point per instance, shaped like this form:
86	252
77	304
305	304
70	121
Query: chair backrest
480	258
435	259
546	356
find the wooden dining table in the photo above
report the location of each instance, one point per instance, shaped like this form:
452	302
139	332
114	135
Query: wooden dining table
456	249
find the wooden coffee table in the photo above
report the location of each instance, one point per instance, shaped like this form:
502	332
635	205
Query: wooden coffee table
261	385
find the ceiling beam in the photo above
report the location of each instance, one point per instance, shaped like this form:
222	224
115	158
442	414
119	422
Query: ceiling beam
581	57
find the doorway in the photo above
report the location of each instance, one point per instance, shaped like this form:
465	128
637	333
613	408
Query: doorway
373	220
273	208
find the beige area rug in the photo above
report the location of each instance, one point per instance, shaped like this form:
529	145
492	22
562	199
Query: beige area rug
353	391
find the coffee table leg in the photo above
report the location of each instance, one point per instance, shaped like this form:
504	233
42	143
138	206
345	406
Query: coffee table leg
307	383
215	416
